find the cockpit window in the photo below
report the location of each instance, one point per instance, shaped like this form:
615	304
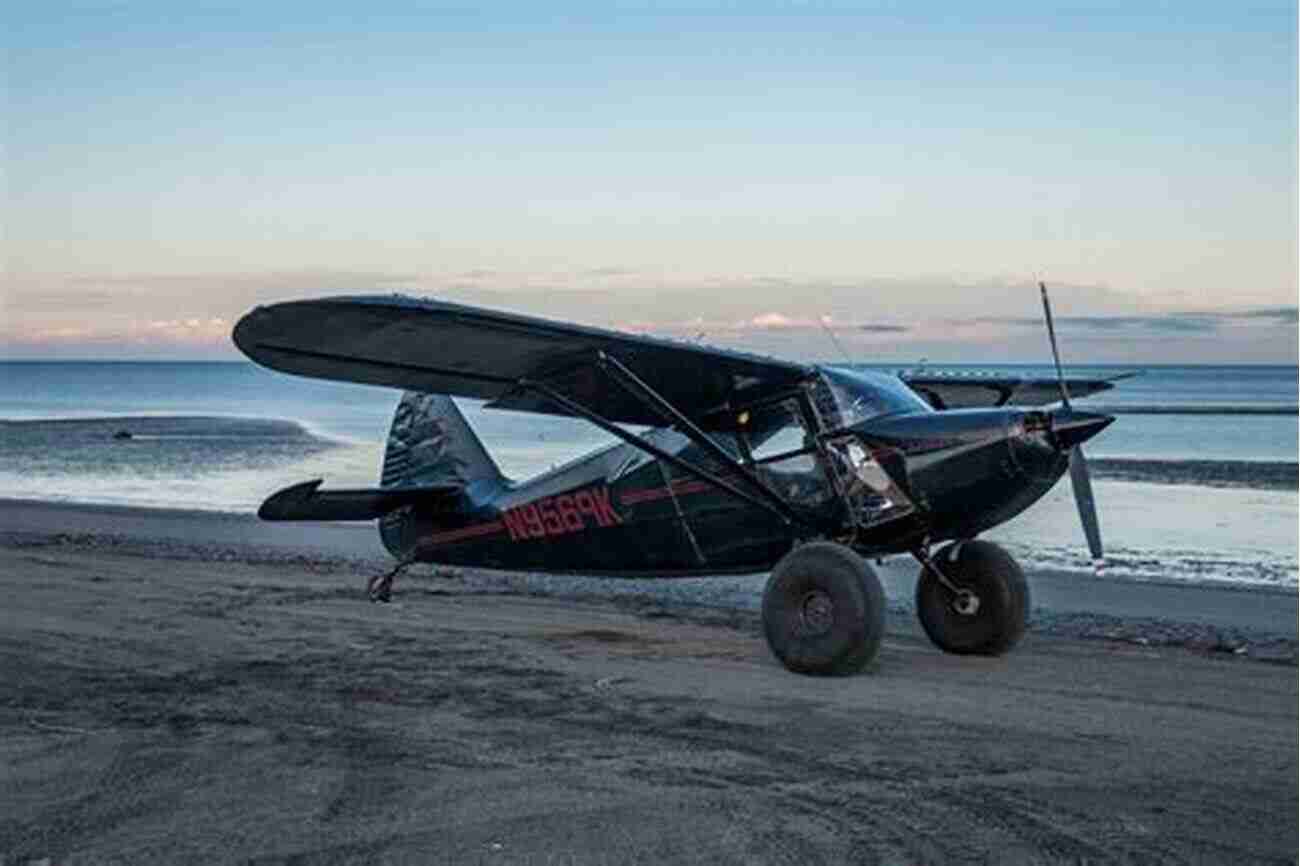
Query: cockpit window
782	454
775	429
851	396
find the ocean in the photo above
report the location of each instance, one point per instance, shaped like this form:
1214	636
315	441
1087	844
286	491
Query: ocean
1196	481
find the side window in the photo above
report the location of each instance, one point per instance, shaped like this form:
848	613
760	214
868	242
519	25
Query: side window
778	429
775	429
693	453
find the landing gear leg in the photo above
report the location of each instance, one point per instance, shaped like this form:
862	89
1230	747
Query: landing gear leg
972	598
380	587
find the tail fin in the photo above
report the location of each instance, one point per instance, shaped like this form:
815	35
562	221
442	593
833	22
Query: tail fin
432	457
430	443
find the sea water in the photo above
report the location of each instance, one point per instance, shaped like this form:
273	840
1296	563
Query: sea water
223	435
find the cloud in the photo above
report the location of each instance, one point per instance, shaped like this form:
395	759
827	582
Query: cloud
1172	323
774	320
205	295
478	274
1181	322
623	292
1284	315
71	333
180	335
874	317
1279	315
769	321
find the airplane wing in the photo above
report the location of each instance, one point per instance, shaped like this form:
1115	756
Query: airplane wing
974	390
444	348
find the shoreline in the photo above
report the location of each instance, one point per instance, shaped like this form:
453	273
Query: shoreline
1261	471
1257	621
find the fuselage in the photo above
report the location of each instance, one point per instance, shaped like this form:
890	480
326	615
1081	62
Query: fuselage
863	463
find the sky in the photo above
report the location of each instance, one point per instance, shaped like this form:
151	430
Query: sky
750	175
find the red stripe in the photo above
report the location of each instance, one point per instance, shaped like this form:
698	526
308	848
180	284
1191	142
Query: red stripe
633	497
680	487
464	532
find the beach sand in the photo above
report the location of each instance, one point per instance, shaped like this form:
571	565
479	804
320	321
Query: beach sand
181	687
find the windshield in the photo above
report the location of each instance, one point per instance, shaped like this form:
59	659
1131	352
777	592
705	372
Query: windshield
852	395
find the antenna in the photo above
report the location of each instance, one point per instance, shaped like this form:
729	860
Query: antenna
827	328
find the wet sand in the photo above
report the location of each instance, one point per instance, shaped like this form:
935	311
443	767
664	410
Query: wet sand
1264	620
1251	474
177	691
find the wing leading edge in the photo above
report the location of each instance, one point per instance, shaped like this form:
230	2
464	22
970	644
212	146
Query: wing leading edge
444	348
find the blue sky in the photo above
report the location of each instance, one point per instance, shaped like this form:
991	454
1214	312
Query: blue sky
904	172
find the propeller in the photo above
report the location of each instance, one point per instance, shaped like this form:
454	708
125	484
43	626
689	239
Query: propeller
1072	428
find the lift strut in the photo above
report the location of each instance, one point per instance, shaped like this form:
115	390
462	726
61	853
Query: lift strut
634	385
778	508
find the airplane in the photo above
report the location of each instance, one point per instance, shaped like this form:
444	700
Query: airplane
728	463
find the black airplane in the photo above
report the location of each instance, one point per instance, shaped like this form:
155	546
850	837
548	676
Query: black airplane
750	464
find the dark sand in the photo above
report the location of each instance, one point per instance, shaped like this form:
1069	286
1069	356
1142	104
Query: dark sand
186	688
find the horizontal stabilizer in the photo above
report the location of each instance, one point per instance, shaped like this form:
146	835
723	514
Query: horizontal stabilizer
306	502
979	390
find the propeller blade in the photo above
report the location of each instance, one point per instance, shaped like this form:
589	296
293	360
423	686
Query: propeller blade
1051	334
1082	485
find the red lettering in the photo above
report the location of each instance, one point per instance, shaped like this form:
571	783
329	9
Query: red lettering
560	515
550	520
515	524
533	521
568	514
605	515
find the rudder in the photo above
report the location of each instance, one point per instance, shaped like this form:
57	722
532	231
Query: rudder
430	443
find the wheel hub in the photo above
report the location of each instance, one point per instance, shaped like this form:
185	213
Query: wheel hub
816	613
966	603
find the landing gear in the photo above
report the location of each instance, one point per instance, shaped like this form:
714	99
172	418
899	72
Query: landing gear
380	587
977	604
823	610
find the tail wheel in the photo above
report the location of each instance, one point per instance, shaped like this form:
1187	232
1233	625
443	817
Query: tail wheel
823	610
988	616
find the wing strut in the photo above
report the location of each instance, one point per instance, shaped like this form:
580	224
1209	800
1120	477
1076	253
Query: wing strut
780	509
643	392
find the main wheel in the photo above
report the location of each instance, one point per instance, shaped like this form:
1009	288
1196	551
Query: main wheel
988	616
823	610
